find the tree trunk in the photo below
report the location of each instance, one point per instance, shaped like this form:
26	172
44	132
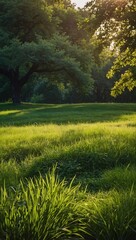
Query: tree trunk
16	92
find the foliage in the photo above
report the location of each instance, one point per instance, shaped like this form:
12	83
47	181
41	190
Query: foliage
25	20
127	60
4	90
102	87
30	47
68	49
113	22
44	91
107	16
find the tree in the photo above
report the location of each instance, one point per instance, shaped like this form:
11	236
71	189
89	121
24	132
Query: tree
4	89
28	47
18	62
113	22
126	64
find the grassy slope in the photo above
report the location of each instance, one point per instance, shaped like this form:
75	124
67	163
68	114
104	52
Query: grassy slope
95	142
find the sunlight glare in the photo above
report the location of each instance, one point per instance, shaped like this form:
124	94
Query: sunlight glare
79	3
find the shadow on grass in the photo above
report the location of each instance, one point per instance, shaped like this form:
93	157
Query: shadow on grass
28	114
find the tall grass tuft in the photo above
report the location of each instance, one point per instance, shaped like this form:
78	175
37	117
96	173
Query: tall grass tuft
48	209
42	209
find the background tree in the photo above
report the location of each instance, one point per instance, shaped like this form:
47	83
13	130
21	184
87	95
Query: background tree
29	46
113	22
48	42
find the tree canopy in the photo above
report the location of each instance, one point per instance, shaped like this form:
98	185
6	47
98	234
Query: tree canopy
113	22
53	40
31	44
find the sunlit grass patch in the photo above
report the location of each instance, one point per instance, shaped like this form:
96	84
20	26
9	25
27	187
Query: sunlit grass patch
95	144
111	215
78	149
8	112
41	209
47	208
118	178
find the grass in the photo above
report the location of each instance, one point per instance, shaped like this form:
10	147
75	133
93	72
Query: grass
41	209
46	208
28	114
111	215
95	143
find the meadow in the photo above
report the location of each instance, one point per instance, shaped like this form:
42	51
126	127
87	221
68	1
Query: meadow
68	171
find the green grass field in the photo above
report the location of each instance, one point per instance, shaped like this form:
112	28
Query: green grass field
95	144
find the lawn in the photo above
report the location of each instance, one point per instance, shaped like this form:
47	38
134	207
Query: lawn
93	143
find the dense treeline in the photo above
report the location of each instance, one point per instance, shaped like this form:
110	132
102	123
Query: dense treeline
52	52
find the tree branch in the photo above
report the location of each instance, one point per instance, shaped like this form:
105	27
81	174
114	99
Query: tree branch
25	78
34	69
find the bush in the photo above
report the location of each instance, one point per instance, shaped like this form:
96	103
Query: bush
37	98
46	92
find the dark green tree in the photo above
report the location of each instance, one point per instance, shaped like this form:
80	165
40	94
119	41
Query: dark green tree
28	46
